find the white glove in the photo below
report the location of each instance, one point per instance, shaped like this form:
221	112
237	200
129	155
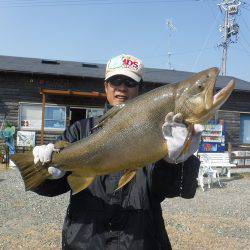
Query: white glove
175	132
43	154
56	173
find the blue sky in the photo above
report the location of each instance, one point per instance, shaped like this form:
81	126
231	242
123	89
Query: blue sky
94	31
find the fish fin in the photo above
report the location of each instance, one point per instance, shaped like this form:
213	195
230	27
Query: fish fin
79	182
127	177
32	174
109	115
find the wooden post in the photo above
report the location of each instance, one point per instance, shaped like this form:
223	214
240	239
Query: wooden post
229	149
43	117
45	92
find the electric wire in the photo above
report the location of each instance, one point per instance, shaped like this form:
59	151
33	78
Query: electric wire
244	38
244	48
244	21
205	43
78	2
239	47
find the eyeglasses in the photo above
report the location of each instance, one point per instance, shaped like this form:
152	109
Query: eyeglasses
118	81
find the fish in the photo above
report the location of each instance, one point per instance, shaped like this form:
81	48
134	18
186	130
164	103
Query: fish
129	136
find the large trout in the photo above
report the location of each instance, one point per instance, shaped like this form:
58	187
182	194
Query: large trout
130	135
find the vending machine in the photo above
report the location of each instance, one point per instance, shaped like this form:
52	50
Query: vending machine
213	137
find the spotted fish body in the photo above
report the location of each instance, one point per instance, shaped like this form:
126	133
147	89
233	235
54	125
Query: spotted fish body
130	135
130	139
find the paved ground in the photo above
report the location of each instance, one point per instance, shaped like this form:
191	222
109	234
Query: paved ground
218	218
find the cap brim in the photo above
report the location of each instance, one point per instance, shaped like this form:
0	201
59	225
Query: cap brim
124	72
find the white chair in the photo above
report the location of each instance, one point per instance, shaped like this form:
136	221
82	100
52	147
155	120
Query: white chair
206	169
201	178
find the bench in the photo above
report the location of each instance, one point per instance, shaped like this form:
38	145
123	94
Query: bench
217	160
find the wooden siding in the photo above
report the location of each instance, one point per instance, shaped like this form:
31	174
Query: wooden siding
238	101
232	126
16	88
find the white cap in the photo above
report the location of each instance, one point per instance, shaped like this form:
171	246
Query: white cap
126	65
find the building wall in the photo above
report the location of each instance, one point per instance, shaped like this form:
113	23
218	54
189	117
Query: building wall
238	101
16	88
237	104
232	126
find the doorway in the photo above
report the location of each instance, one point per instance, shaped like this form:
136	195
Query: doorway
77	114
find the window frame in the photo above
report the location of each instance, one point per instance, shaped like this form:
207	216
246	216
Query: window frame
241	128
24	128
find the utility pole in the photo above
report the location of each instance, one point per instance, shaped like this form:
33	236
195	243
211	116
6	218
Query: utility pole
229	30
171	29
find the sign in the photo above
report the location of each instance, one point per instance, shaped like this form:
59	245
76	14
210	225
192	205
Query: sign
26	138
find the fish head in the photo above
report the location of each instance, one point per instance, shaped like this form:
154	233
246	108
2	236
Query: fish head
196	98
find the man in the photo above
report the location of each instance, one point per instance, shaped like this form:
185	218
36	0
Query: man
130	218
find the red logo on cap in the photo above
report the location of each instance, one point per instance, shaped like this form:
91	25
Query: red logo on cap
130	64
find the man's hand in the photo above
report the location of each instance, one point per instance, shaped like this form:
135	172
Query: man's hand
175	132
43	154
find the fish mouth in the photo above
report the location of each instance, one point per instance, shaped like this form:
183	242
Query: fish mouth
220	97
214	101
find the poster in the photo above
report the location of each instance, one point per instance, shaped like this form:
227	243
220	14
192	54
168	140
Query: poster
26	138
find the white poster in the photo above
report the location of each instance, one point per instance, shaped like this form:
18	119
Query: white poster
26	138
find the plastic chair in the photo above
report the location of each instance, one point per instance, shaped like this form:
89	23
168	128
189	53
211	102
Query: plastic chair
206	169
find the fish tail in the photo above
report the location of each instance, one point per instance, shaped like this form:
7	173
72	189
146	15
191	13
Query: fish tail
32	175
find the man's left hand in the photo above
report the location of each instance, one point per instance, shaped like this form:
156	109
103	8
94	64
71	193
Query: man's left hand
175	132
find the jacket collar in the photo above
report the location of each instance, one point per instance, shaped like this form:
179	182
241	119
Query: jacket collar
107	107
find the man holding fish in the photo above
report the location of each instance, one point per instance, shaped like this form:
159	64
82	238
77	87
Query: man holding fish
136	155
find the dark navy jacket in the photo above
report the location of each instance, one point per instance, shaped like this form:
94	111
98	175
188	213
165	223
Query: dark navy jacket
130	218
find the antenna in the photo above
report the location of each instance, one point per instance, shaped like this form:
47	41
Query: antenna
171	29
229	30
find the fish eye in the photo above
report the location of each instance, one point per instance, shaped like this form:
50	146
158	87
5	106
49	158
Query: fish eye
199	84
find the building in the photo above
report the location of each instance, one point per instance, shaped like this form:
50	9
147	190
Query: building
26	83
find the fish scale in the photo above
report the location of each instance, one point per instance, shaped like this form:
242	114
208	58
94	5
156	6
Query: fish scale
130	136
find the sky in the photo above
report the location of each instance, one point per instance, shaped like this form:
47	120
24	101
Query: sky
95	30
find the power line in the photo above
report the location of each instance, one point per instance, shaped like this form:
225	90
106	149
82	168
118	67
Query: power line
209	4
244	21
244	48
244	38
82	1
78	2
205	42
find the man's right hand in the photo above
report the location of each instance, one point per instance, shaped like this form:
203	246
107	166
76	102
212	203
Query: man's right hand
43	154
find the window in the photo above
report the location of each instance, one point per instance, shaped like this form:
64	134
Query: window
94	112
245	128
31	117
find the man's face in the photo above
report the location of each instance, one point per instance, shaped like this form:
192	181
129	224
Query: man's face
119	89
